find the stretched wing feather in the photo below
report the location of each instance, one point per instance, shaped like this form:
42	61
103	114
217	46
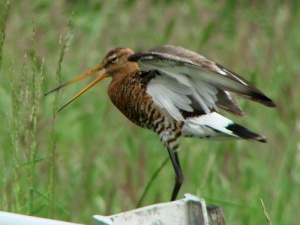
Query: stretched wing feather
203	81
228	102
169	94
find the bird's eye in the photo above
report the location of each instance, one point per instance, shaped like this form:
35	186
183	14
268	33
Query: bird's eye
114	59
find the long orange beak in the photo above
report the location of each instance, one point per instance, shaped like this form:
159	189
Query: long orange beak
91	72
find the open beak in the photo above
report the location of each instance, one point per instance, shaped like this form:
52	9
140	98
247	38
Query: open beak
91	72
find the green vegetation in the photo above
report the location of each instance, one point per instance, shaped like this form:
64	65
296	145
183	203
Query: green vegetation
89	159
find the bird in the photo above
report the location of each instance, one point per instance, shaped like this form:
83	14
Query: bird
175	93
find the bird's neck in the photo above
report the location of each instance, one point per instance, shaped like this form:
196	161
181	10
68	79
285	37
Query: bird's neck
122	88
124	71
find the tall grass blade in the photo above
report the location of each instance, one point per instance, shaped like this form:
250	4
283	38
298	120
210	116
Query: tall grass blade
52	147
14	137
3	19
155	174
265	212
37	79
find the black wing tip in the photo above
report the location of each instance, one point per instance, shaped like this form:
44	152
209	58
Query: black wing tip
260	98
263	99
270	103
266	102
244	133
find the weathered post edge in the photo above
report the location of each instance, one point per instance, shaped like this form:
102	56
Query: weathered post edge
7	218
188	211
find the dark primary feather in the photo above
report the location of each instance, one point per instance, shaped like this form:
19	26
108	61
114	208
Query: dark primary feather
256	95
226	81
228	102
201	61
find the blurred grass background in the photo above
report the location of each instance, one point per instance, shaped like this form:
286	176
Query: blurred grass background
89	159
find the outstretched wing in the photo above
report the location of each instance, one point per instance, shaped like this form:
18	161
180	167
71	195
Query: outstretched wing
188	82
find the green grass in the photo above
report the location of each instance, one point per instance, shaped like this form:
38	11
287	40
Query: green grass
89	159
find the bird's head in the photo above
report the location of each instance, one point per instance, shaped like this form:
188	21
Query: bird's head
115	64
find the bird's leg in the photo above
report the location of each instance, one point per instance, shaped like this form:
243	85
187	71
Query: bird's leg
178	172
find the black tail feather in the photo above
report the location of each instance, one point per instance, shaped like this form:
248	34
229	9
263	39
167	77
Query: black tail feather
245	133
